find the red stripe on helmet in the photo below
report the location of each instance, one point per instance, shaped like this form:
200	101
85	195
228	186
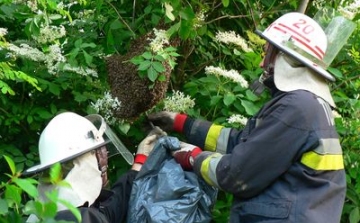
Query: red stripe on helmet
295	32
316	50
279	29
320	54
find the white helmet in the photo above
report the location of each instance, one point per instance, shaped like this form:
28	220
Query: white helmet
69	135
303	38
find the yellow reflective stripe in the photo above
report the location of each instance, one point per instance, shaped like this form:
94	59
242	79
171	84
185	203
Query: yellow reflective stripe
206	170
211	137
322	162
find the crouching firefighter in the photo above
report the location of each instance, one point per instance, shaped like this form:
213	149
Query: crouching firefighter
286	165
82	145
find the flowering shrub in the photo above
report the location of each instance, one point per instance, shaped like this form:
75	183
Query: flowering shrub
52	59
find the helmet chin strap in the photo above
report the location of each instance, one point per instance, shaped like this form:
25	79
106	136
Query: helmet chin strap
102	158
258	85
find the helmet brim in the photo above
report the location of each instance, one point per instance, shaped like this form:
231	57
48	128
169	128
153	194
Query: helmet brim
307	62
41	167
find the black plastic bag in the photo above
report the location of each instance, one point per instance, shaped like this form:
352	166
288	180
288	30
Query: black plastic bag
163	192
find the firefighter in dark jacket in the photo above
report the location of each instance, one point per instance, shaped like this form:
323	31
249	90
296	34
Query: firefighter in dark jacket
286	165
82	146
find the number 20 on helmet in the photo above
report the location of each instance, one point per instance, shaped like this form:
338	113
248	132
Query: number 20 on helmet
302	37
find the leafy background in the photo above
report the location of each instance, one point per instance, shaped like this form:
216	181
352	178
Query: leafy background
35	90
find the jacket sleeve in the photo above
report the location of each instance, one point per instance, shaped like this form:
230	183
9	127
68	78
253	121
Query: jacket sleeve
206	135
115	207
278	139
255	163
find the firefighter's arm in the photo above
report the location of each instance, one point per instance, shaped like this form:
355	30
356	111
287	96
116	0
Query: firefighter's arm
204	134
253	165
187	155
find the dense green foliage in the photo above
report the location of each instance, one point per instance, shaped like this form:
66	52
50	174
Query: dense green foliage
68	72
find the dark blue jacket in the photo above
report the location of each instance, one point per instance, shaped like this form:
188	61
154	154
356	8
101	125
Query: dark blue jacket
286	165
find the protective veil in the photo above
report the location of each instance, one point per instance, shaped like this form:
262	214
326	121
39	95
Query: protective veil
78	192
288	78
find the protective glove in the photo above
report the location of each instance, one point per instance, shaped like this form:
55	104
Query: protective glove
168	121
186	155
147	145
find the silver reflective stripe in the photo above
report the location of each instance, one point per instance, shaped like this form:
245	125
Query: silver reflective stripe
329	146
223	140
327	111
208	167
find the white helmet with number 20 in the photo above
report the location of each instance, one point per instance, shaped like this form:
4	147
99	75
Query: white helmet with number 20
300	36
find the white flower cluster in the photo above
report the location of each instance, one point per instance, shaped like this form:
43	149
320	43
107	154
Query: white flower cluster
237	119
161	38
231	37
27	51
87	13
54	58
350	10
106	106
49	34
231	74
3	32
319	4
178	102
32	5
80	70
199	19
63	6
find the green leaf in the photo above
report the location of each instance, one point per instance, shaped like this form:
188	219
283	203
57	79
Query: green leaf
27	185
158	67
73	53
215	100
116	24
159	58
337	73
162	77
11	164
13	194
152	74
354	216
4	208
50	209
137	60
250	108
44	114
110	42
78	43
147	55
5	89
144	65
29	119
54	88
86	45
225	3
229	98
187	13
125	127
55	173
30	207
173	29
88	58
251	96
185	29
74	210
